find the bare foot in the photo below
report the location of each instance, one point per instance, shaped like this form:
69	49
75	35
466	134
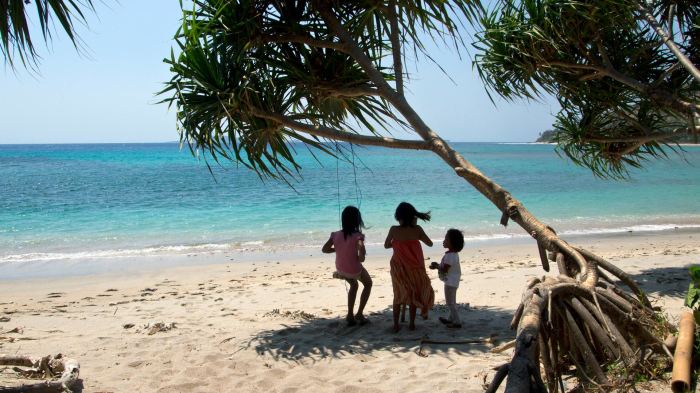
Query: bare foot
350	320
412	327
396	328
361	319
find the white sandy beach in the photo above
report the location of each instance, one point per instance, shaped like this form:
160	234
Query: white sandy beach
274	324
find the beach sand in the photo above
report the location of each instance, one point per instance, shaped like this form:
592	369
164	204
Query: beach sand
276	325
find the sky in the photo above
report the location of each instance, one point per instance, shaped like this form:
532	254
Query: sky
105	93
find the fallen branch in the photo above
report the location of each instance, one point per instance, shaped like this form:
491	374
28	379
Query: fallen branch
503	347
47	366
488	340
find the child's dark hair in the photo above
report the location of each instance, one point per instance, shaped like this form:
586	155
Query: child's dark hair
456	239
351	220
405	213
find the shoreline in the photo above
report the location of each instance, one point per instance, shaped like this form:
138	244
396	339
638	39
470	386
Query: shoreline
60	268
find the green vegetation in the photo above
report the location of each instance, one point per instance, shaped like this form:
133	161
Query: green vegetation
549	136
692	300
624	72
15	37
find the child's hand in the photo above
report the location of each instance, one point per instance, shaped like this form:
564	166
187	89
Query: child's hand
434	265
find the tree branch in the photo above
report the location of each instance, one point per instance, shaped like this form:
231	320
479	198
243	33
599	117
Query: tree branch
683	59
662	96
398	101
396	47
503	200
666	73
353	49
358	91
345	136
576	66
301	39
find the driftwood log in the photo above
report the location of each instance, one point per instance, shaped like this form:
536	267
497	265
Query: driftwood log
45	367
683	358
584	322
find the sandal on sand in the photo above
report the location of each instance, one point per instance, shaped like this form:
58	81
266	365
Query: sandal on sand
454	325
445	320
361	319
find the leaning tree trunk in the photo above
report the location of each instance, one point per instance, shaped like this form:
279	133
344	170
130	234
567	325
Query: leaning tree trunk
582	317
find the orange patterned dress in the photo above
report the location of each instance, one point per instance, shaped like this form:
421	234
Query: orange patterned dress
409	278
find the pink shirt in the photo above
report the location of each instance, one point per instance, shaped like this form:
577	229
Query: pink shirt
346	259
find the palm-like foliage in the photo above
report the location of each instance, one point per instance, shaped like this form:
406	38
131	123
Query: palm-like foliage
15	29
623	92
252	76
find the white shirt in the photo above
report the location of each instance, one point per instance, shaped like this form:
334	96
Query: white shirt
452	277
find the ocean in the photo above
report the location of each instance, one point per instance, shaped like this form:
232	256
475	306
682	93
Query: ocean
80	201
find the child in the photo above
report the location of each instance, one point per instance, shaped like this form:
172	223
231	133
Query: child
450	273
409	279
349	247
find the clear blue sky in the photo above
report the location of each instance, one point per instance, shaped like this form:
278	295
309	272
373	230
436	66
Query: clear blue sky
107	93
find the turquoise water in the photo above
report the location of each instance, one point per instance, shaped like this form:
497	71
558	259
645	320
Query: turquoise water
76	201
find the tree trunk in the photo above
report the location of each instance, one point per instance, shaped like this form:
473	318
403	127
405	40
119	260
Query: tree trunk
583	301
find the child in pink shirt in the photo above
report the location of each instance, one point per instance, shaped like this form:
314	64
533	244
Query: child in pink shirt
349	247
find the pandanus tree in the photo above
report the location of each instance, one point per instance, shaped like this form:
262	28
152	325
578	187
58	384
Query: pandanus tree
625	73
251	77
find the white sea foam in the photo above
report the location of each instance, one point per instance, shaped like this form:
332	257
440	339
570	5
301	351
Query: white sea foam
290	245
118	253
631	228
253	243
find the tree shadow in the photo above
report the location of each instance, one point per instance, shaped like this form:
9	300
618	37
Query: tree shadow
664	281
314	339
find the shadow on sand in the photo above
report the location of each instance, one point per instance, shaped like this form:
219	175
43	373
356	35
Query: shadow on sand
665	281
314	339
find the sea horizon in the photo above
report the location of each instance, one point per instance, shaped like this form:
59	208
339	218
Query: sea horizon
88	200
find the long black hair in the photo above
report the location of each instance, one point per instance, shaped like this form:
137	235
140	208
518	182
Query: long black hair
406	213
351	220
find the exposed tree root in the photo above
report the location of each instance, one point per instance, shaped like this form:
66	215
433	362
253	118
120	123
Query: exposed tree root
46	367
583	320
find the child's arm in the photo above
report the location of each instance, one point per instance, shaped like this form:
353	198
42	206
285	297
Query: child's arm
423	237
389	237
328	247
444	268
361	251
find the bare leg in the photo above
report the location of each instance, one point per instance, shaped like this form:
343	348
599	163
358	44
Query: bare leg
412	316
451	300
366	281
396	310
403	313
352	294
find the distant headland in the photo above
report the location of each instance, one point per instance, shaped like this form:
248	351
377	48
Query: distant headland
548	137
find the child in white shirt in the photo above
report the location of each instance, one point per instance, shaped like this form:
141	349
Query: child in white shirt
450	272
